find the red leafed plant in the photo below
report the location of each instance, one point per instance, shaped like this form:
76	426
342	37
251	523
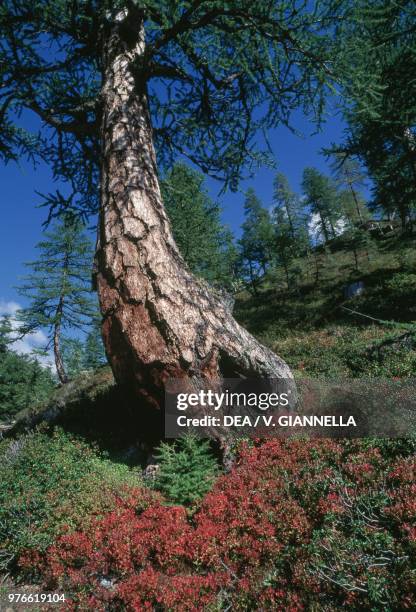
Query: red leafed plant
295	524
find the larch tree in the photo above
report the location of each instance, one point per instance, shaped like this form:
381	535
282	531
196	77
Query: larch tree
59	287
284	242
381	116
196	224
94	355
23	381
72	356
355	216
114	80
81	354
293	209
286	201
350	179
290	222
257	241
322	198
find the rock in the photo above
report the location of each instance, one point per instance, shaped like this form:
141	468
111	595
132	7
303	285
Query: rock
107	583
150	472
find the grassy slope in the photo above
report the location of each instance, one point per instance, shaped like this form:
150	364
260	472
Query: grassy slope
307	326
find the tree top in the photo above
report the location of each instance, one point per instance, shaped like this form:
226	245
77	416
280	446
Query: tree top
217	74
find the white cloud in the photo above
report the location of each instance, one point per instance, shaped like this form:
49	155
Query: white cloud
340	226
8	308
26	345
314	228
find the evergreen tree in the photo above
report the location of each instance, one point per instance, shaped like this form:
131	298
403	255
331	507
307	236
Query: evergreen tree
5	333
187	469
382	117
73	351
84	354
202	240
58	289
191	78
350	179
230	279
358	240
285	200
322	198
94	354
23	381
257	240
349	207
285	244
291	227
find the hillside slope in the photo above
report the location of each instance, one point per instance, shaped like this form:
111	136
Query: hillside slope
309	326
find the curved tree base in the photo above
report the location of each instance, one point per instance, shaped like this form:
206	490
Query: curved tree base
159	321
181	332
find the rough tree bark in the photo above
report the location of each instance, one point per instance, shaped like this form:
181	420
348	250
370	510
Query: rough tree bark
159	321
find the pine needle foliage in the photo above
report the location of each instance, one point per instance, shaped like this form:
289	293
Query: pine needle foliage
59	287
187	469
205	243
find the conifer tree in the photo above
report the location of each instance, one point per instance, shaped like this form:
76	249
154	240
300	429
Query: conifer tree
5	333
187	469
59	286
382	116
94	353
87	353
72	350
350	179
23	381
352	209
201	238
110	81
257	240
290	223
288	202
322	198
284	242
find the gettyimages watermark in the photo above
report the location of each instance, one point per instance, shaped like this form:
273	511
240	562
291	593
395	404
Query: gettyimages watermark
284	407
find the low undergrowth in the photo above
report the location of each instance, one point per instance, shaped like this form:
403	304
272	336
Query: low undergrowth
51	484
295	525
349	351
310	324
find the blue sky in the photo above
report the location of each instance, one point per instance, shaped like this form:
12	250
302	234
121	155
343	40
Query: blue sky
292	154
22	222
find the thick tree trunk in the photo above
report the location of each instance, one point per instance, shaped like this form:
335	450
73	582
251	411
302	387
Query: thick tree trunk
159	321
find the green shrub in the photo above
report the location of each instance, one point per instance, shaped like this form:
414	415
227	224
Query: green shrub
392	448
187	469
402	284
23	382
348	351
295	525
50	485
